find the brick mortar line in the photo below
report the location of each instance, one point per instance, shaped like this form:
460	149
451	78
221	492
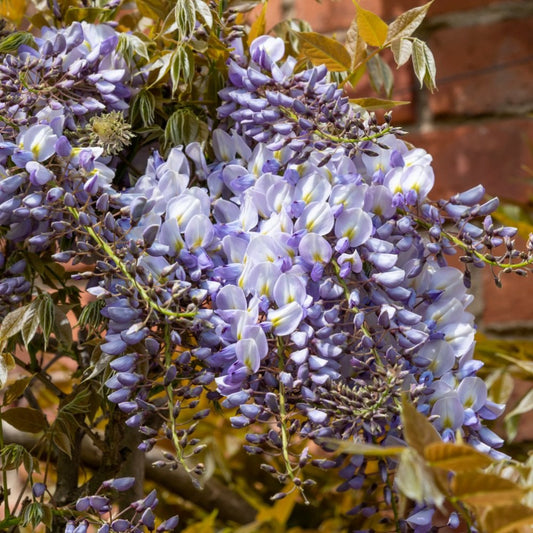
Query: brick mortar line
481	16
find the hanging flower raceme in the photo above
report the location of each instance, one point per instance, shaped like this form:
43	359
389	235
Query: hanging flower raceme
301	271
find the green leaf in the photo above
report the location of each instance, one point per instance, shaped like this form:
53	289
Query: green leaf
322	50
25	419
401	50
16	390
424	64
431	69
33	514
380	74
455	457
12	456
131	45
511	419
184	127
185	13
372	104
371	28
407	22
416	480
478	489
355	45
507	518
359	448
417	429
259	25
181	68
11	43
8	523
419	60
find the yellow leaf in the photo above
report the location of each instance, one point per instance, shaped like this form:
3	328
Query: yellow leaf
207	525
13	10
322	50
280	511
372	104
416	480
483	490
355	45
418	430
259	25
508	518
372	29
524	228
455	457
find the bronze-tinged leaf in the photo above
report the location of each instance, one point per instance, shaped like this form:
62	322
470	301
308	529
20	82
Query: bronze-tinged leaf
25	419
3	371
258	26
62	328
322	50
359	448
373	104
154	9
455	457
484	490
511	419
16	390
407	22
88	14
508	518
62	442
372	29
242	6
355	45
417	429
30	322
12	323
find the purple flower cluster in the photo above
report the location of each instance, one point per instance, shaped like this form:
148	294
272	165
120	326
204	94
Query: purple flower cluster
302	271
143	512
69	73
267	102
315	285
47	94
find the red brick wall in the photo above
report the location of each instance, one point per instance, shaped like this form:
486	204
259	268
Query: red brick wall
475	125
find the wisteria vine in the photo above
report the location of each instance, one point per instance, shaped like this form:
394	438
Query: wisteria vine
298	277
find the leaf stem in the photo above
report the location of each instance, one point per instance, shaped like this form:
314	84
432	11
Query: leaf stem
111	254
